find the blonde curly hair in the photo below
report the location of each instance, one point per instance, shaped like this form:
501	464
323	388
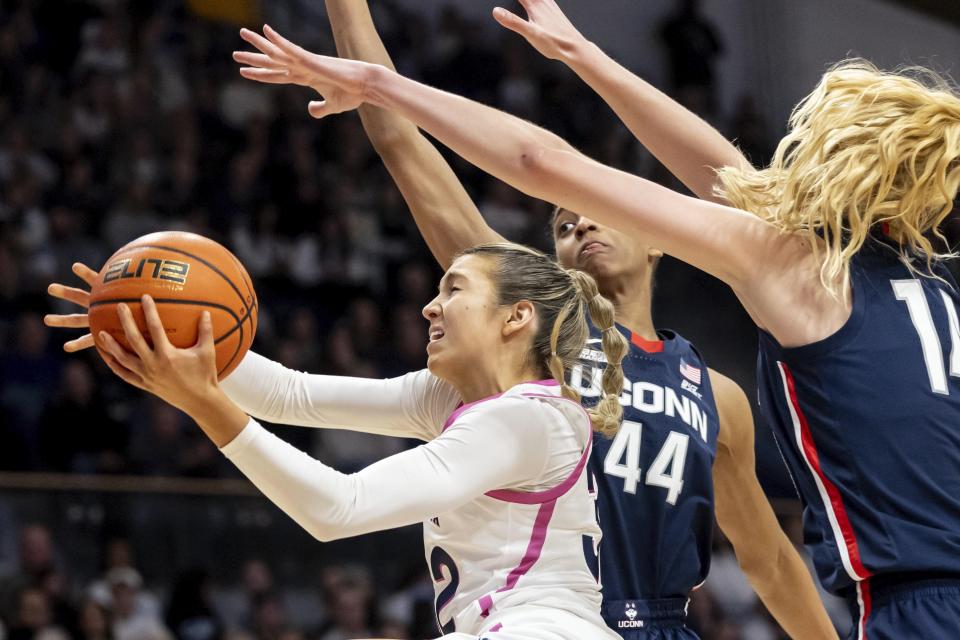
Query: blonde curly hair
865	148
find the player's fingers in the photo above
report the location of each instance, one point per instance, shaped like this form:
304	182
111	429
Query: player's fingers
132	332
282	43
270	76
205	332
78	344
258	60
261	43
318	108
122	372
511	21
70	294
154	324
85	273
67	321
128	360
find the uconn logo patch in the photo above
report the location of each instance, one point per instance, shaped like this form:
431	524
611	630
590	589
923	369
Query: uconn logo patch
630	611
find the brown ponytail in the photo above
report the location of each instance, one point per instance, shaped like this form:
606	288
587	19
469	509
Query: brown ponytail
562	297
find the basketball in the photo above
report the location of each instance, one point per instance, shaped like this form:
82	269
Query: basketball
185	274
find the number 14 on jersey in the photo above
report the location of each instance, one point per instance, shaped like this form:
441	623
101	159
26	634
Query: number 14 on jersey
665	471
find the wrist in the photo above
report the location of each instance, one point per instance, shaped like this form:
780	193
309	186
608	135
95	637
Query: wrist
579	52
217	415
375	81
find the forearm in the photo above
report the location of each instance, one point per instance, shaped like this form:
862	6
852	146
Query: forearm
403	489
501	144
447	218
328	504
689	147
787	591
356	38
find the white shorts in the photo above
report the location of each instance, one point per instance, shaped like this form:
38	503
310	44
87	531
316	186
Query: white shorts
532	622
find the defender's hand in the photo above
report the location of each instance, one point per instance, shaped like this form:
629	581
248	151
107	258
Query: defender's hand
340	82
80	297
546	27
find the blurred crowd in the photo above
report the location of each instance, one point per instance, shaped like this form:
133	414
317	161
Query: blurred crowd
119	118
41	599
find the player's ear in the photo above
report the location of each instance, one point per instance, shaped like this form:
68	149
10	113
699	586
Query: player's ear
521	315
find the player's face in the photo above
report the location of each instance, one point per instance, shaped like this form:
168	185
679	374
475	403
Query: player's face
463	324
601	251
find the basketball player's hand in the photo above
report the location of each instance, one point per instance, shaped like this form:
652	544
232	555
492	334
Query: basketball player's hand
182	377
340	82
80	297
546	27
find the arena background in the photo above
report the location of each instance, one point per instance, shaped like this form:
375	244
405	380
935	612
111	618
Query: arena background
119	118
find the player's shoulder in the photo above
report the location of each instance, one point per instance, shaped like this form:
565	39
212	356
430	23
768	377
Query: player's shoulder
537	407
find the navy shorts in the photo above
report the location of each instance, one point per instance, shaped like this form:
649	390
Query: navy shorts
663	619
906	610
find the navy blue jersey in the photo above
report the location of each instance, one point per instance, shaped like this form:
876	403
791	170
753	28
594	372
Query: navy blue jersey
655	477
868	421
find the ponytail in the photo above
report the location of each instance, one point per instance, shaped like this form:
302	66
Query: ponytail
608	412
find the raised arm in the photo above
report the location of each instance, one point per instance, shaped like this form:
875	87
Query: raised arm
689	147
720	240
448	219
772	564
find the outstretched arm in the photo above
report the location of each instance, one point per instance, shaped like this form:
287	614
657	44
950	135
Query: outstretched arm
482	451
772	564
720	240
448	219
689	147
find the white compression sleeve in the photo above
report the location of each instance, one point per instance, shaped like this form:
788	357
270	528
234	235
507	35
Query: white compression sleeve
414	405
501	445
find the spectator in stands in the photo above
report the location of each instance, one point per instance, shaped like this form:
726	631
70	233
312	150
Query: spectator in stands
94	621
130	621
692	46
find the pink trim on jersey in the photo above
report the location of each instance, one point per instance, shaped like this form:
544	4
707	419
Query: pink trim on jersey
495	628
530	556
833	501
539	497
463	407
547	495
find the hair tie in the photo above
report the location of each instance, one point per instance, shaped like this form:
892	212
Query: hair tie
610	328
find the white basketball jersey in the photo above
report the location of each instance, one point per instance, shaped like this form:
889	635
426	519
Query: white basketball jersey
522	545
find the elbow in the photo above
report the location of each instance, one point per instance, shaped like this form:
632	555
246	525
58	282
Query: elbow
533	161
323	534
324	529
388	141
537	171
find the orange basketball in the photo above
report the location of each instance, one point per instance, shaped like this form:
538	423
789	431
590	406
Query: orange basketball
185	274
